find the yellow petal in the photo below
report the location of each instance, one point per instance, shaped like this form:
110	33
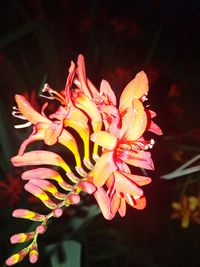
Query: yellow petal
138	122
104	139
85	104
135	89
103	168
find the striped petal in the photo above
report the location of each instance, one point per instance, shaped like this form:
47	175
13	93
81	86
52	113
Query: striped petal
37	192
22	237
46	173
104	139
103	168
40	157
28	214
17	257
48	187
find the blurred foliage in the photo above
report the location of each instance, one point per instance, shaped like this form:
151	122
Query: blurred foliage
37	41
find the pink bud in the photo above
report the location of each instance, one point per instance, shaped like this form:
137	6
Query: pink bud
41	229
87	187
73	199
57	212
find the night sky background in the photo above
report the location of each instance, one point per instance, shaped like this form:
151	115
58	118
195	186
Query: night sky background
38	39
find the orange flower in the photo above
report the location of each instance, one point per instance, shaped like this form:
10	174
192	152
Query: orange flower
94	116
186	209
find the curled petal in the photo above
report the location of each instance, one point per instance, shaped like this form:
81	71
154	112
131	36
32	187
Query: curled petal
32	138
135	89
28	214
104	139
103	168
104	203
153	127
28	111
52	133
139	203
40	157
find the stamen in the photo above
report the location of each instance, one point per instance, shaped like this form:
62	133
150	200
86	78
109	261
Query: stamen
130	199
18	115
77	83
25	125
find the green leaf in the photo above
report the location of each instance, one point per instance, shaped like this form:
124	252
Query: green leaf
78	223
65	254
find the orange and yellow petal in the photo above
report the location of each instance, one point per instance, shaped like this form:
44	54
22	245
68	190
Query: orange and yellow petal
104	203
136	89
40	157
39	193
28	214
137	122
104	139
126	186
103	168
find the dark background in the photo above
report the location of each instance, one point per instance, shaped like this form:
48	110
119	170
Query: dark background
118	38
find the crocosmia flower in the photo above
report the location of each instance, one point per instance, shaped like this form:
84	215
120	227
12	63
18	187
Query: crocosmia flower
187	209
102	142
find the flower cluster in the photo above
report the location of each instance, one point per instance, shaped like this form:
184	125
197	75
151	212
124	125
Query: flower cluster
103	139
187	209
